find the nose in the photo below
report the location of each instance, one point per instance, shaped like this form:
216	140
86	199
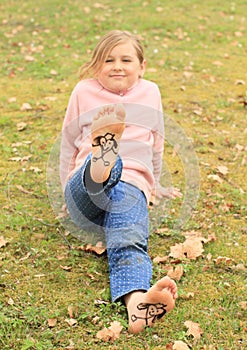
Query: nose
117	65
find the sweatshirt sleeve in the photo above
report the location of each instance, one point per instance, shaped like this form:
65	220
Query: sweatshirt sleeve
70	132
158	147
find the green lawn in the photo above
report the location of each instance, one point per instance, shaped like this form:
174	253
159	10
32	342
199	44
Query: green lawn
196	53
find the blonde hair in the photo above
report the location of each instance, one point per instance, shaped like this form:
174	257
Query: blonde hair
105	46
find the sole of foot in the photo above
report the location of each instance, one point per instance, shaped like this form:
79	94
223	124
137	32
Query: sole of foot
144	309
107	128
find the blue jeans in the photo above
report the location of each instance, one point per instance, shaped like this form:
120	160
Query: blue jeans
120	210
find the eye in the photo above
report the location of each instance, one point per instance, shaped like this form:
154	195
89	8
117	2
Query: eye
108	60
126	60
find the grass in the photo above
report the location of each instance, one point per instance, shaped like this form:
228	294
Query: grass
196	53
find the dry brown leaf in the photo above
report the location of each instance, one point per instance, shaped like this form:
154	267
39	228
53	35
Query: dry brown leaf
180	345
10	301
3	242
52	322
71	310
193	248
66	268
224	260
176	273
21	126
71	321
20	159
177	251
160	259
98	248
26	107
53	72
243	305
223	170
194	329
215	178
110	334
35	169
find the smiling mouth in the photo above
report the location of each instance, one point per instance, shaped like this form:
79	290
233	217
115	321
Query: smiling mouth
117	76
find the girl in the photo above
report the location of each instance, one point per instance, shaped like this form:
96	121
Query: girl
110	164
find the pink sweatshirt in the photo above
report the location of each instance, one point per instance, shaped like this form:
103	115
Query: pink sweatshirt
142	142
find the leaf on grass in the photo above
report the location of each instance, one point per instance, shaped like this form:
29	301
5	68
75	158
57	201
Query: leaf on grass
20	159
26	107
21	126
224	260
223	170
215	178
71	311
176	273
163	231
66	268
177	251
10	301
180	345
160	259
187	296
98	248
110	334
191	248
22	189
3	242
71	321
243	305
52	322
35	169
194	329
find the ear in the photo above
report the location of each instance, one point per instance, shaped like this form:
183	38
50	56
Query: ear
143	67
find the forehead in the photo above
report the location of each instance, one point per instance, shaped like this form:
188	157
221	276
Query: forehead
126	49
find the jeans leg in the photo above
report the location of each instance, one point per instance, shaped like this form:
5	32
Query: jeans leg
127	241
87	206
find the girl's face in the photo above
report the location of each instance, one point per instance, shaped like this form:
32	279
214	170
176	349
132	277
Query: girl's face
121	69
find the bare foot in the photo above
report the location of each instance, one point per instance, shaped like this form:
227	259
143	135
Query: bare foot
107	128
145	308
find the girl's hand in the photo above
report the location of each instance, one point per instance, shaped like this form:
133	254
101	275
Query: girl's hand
167	192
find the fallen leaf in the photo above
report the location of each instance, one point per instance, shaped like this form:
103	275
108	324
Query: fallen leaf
180	345
224	260
52	322
176	273
20	159
26	107
243	305
3	242
35	169
176	251
194	329
98	248
71	310
71	321
239	82
217	63
10	301
223	170
29	58
53	72
193	248
66	268
160	259
110	334
215	178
